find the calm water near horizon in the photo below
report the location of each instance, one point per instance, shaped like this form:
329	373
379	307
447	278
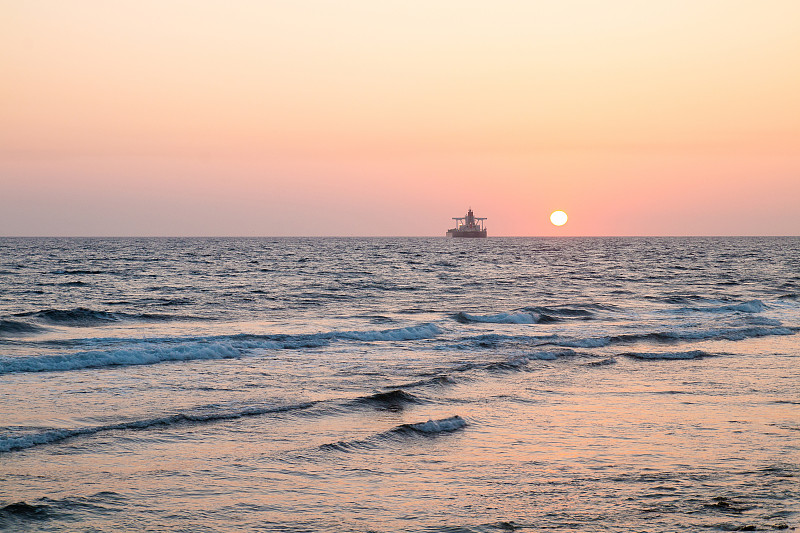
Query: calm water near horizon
400	384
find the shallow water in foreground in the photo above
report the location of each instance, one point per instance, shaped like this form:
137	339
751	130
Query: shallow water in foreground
604	384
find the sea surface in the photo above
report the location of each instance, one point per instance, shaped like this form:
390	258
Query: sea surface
400	384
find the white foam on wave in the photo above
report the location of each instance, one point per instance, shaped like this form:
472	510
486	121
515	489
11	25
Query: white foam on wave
750	306
8	444
141	355
424	331
753	306
591	342
152	352
443	425
502	318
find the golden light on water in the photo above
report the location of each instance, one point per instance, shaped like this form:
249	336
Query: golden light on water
558	218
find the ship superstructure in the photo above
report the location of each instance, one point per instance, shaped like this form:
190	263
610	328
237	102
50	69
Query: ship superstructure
468	226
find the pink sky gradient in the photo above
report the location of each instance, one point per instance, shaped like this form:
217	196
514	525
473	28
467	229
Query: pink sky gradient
389	118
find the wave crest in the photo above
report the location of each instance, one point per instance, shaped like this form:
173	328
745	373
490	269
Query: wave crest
433	427
499	318
12	443
82	316
127	357
13	327
424	331
392	400
693	354
208	348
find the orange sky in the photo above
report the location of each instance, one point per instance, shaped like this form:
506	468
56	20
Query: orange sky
389	118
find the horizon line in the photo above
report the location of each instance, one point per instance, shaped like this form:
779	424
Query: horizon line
380	236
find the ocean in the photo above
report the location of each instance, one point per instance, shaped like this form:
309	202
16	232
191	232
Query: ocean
400	384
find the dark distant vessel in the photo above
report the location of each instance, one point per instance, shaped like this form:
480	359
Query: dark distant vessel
468	226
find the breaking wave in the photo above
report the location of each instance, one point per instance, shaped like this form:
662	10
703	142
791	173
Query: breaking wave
433	427
146	355
223	347
21	442
500	318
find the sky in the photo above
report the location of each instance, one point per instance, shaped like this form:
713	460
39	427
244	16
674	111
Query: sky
390	117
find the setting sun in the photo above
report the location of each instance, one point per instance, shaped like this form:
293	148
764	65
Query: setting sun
558	218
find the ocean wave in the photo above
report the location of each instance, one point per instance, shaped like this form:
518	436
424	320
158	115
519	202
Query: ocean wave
681	299
25	511
602	362
543	355
142	355
567	311
751	306
731	334
430	428
82	316
79	316
499	318
668	336
433	427
534	315
10	443
438	380
348	446
209	348
423	331
78	271
514	364
392	400
493	340
13	327
763	321
590	342
693	354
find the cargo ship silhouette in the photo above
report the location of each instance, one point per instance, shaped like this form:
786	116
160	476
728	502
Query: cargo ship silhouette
468	226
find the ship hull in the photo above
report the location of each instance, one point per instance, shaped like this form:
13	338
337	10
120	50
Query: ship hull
460	234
